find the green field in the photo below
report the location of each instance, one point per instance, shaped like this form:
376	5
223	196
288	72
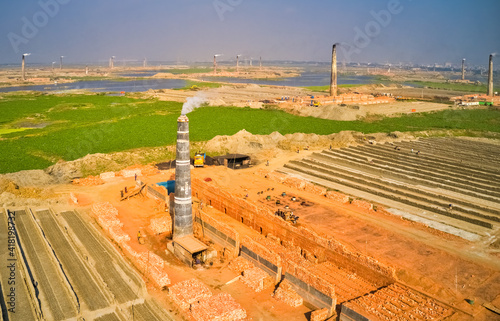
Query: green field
471	88
77	125
200	85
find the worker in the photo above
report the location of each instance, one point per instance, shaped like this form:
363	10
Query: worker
135	177
450	207
267	163
139	236
418	152
121	193
126	190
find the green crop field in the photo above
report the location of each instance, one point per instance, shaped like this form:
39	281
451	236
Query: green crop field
471	88
68	127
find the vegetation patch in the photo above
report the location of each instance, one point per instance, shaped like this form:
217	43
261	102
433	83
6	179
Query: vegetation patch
118	123
472	88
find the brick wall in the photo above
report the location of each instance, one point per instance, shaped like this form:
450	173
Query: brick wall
264	221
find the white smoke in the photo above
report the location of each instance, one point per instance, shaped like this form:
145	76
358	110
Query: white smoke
494	54
192	103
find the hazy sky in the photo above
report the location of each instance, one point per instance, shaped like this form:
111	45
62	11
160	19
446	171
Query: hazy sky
419	31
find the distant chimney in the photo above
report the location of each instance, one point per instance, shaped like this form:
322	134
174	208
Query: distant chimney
23	74
333	79
463	69
183	215
490	78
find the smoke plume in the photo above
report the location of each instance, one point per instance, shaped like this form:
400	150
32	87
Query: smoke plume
192	103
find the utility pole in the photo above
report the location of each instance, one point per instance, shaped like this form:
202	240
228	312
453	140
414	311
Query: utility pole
61	63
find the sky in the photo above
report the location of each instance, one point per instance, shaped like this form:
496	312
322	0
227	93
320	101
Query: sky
380	31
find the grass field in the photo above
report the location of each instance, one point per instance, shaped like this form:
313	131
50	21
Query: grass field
77	125
200	84
472	88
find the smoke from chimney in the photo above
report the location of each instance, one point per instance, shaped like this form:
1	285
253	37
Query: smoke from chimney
192	103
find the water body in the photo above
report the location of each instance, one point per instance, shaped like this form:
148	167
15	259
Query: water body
136	85
308	78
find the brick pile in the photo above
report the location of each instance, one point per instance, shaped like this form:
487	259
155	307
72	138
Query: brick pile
261	250
88	181
118	235
220	307
220	226
129	172
294	182
363	204
107	175
240	264
315	189
257	279
314	279
148	258
338	197
106	215
348	286
188	292
319	315
140	170
397	302
287	254
159	276
286	294
128	249
152	266
161	224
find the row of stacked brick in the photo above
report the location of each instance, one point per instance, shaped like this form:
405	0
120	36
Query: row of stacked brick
194	296
397	302
161	224
149	263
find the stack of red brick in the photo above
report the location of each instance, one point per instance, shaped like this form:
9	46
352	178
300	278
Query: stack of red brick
240	264
316	280
257	279
347	285
140	170
88	181
129	173
161	224
286	294
159	276
153	266
188	292
262	251
287	254
224	228
397	302
319	315
117	233
220	307
106	214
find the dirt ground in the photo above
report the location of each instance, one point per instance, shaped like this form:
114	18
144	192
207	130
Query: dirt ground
368	112
442	265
